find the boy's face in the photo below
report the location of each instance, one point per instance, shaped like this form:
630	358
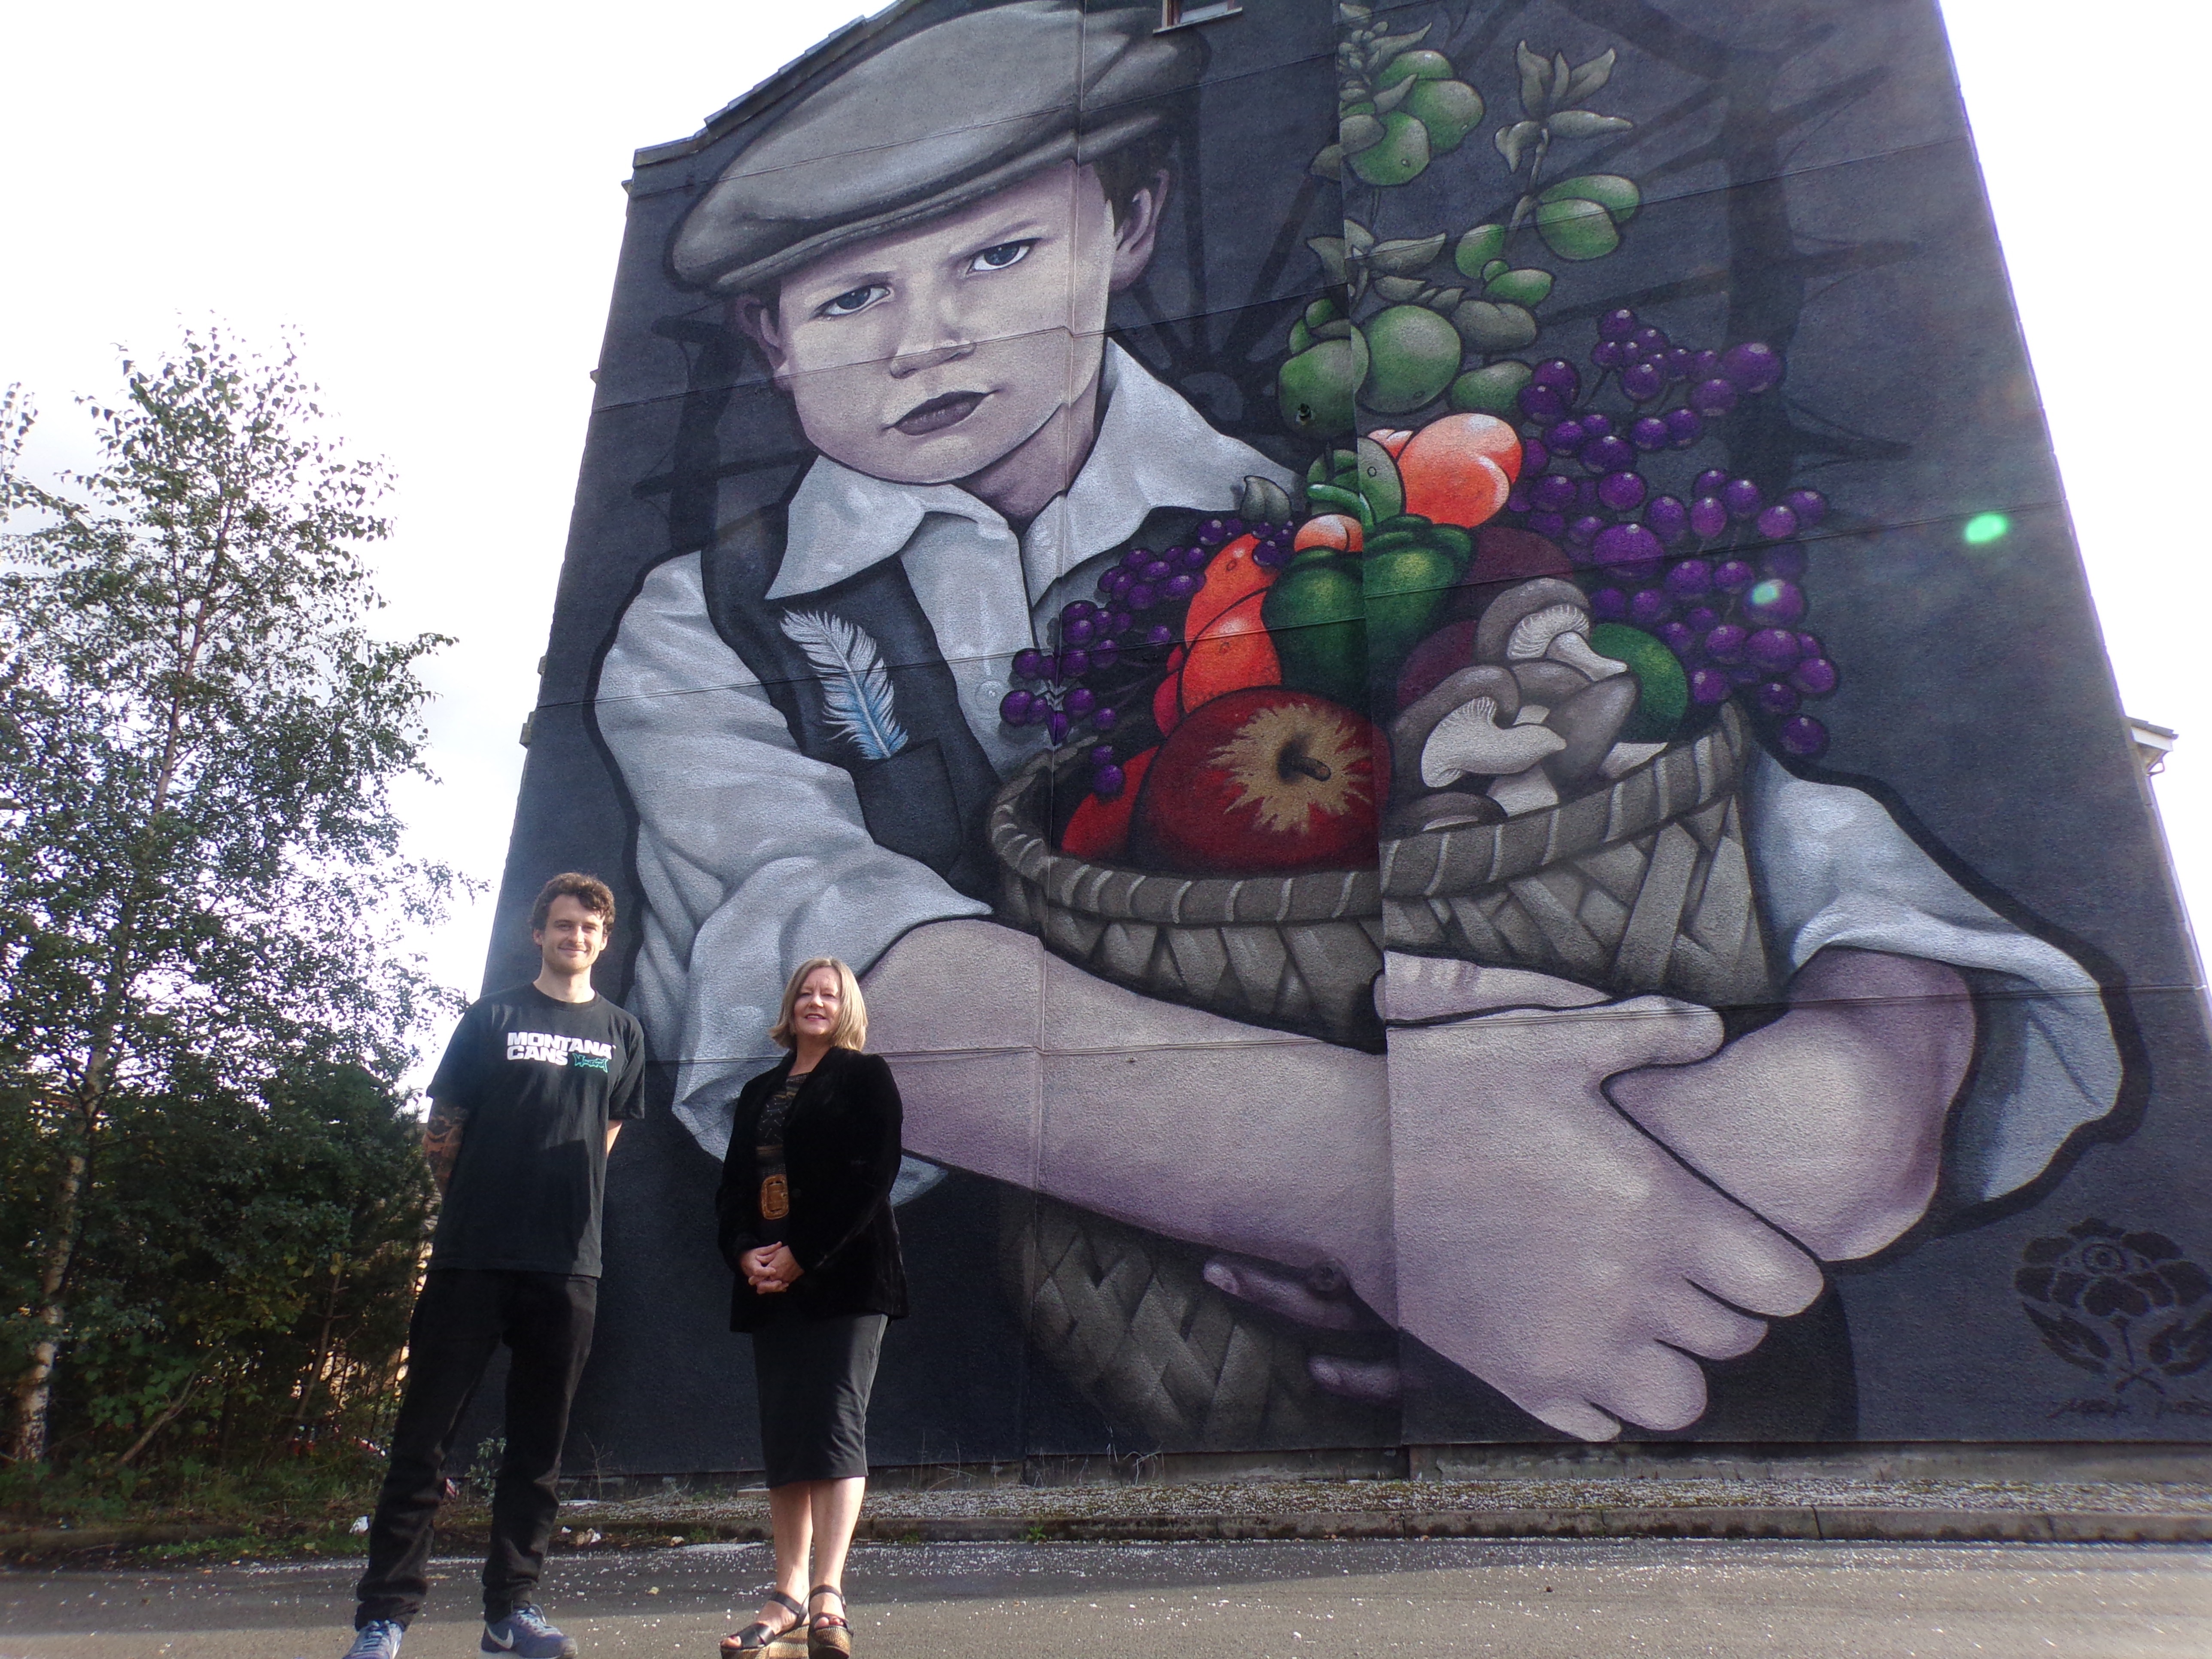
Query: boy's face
925	357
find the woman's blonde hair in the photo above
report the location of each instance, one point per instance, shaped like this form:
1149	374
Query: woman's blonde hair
851	1030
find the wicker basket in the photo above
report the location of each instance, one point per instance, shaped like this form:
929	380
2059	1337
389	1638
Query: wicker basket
1642	885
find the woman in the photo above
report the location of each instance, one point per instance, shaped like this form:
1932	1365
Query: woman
805	1219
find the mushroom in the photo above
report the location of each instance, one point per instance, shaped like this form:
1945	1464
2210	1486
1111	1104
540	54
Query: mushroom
1546	617
1547	683
1588	722
1464	728
1448	809
1525	792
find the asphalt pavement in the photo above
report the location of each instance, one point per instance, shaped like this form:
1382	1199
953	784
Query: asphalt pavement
1574	1599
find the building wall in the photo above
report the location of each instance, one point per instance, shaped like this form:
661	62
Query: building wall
1826	1072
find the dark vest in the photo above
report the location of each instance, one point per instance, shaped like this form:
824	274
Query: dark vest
928	800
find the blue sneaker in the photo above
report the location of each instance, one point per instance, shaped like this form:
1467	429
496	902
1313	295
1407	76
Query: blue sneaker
527	1634
377	1639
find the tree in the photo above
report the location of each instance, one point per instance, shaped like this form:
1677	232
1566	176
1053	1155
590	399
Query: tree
201	875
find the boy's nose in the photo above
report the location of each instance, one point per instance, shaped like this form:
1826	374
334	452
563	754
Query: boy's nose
913	362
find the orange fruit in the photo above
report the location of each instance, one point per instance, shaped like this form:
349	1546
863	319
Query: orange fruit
1235	655
1393	441
1337	530
1233	574
1459	469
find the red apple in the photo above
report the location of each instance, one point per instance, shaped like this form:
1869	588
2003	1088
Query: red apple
1099	828
1263	781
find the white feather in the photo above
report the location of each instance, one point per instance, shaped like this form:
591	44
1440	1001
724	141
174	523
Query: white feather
856	689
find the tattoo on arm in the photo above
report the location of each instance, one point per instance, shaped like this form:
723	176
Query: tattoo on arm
441	1139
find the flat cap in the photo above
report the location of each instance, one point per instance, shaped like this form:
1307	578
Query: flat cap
942	118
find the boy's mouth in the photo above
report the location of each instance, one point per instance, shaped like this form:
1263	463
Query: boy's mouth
938	413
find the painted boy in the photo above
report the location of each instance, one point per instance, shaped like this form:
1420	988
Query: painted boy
1570	1197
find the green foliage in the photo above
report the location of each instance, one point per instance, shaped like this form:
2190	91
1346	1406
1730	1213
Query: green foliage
202	1017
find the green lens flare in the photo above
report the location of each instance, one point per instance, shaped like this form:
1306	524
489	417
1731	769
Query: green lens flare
1984	528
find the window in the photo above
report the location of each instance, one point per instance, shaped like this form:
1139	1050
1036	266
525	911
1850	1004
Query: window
1180	14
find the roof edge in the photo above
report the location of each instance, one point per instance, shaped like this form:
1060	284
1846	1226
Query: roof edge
846	38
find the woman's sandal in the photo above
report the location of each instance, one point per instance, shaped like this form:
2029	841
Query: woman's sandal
755	1638
829	1635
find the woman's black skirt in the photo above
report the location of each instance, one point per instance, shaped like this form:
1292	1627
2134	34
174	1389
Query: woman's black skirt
813	1376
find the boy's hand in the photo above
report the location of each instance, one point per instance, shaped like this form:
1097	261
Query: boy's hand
770	1269
1829	1122
1546	1245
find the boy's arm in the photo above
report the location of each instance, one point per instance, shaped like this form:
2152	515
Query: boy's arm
441	1139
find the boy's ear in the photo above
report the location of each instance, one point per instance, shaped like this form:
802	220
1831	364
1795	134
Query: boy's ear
755	319
1139	232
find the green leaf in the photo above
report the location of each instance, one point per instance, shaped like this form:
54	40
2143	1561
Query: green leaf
1328	162
1329	249
1618	196
1404	258
1357	236
1495	268
1591	76
1582	124
1478	248
1535	81
1520	287
1488	326
1358	132
1391	45
1390	97
1443	299
1576	229
1400	290
1514	140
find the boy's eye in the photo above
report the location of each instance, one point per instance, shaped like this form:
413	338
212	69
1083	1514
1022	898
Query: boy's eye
854	299
998	257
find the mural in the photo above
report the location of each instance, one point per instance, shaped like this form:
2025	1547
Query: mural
1431	657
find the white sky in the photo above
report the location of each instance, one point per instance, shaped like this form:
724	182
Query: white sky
431	195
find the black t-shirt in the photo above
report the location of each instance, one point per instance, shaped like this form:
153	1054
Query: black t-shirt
540	1081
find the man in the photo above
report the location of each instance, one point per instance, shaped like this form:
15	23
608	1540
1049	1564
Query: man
933	299
524	1110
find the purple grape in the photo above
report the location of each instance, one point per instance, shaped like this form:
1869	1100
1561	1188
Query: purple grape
1773	649
1616	324
1815	677
1679	639
1689	578
1668	519
1701	619
1181	586
1586	494
1104	718
1112	583
1543	404
1517	501
1273	554
1108	780
1195	558
1121	623
1074	665
1711	482
1140	596
1803	737
1137	558
1742	498
1775	604
1751	366
1078	610
1017	706
1056	727
1712	398
1786	562
1649	340
1678	362
1554	493
1584	531
1778	523
1774	697
1650	433
1553	525
1707	517
1709	686
1535	458
1703	365
1734	576
1565	438
1808	645
1743	674
1596	423
1159	634
1621	491
1081	701
1642	381
1560	374
1725	643
1157	572
1609	604
1212	532
1609	354
1629	545
1029	666
1651	607
1809	505
1102	754
1077	632
1685	426
1608	454
1231	529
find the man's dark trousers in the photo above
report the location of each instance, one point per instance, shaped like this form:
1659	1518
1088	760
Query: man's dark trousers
462	1315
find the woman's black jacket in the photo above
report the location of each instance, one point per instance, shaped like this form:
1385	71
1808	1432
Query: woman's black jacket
840	1150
